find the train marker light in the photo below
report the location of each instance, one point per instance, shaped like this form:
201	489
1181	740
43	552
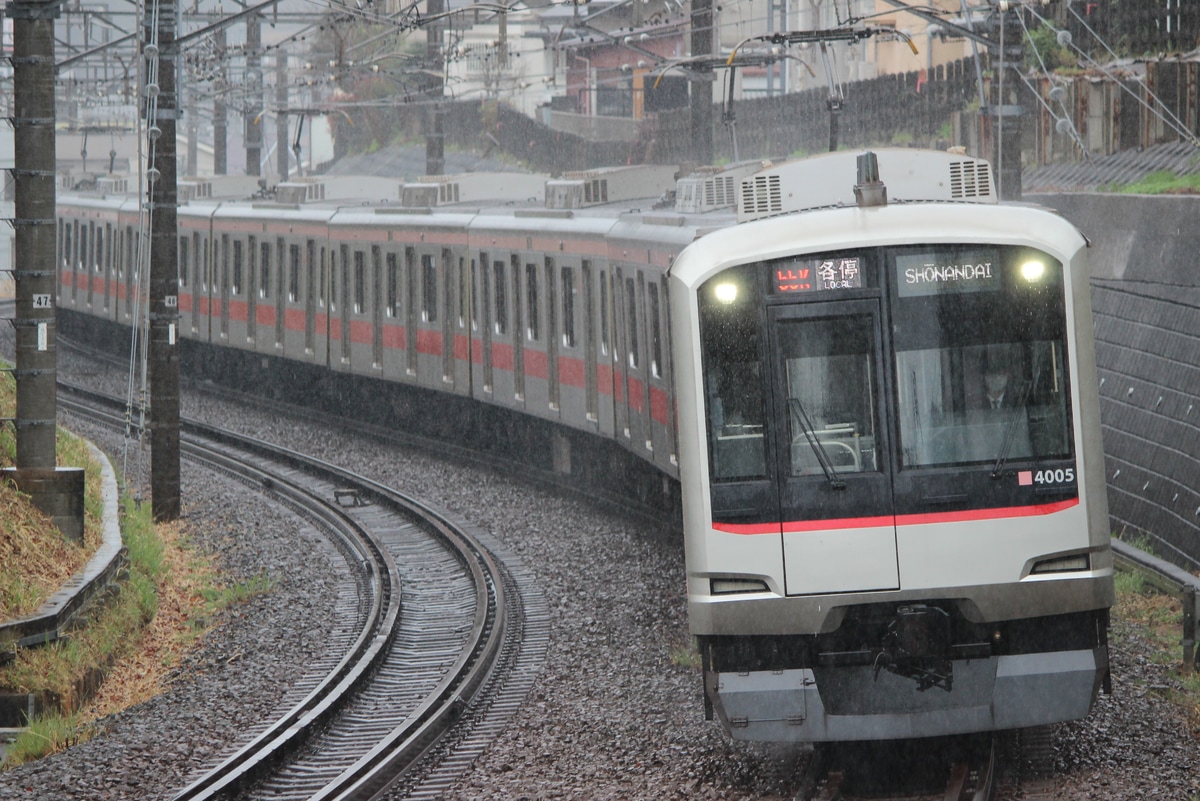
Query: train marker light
725	293
1033	270
732	586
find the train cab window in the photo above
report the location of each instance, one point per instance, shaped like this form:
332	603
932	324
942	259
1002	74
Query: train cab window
980	356
392	307
534	316
428	288
831	393
568	307
731	355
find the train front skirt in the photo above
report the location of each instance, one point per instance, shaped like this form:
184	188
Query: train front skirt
863	703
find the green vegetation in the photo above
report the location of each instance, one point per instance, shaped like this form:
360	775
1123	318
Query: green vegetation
1152	622
1163	182
1043	41
131	641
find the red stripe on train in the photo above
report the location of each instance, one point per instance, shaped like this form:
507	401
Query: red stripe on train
793	526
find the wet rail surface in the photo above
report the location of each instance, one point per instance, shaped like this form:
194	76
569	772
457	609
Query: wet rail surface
432	635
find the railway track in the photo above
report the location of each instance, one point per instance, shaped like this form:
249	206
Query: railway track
439	653
958	769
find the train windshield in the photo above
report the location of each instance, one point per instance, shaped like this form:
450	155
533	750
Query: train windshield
978	336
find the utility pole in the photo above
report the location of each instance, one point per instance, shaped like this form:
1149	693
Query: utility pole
281	119
1004	106
162	112
56	491
220	114
701	84
254	95
435	143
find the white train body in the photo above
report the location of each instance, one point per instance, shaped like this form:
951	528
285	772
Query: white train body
874	550
847	579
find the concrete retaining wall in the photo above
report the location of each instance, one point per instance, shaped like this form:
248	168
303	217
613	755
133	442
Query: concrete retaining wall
1146	300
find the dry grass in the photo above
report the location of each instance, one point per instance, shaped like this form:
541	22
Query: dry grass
35	560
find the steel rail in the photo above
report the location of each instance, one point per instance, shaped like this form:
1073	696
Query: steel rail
440	710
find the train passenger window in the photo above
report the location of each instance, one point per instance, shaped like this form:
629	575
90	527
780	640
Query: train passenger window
360	281
462	292
631	322
264	268
533	324
980	355
604	336
392	307
428	288
501	296
239	258
656	348
323	280
99	259
294	273
731	360
82	261
252	266
206	265
183	261
568	307
310	272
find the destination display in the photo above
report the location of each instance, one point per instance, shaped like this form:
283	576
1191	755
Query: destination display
920	274
801	275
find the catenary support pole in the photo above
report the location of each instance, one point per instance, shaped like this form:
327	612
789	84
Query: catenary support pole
56	491
164	274
701	101
282	150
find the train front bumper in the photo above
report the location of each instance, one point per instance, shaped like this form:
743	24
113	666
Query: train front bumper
860	703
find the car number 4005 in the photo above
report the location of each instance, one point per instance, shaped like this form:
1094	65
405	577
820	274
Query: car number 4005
1060	476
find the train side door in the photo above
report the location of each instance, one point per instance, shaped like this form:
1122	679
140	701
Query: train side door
839	525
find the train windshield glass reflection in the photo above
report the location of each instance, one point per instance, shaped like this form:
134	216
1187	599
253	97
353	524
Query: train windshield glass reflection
980	349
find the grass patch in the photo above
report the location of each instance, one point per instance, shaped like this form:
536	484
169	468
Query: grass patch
1144	616
686	656
1163	182
169	601
35	560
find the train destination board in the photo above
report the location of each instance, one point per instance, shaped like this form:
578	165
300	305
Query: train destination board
795	276
948	272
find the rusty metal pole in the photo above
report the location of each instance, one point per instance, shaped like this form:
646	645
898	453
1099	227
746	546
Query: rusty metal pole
435	144
57	492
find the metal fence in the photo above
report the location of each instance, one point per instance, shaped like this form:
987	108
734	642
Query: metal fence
1135	27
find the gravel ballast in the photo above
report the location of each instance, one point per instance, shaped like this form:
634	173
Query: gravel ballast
616	711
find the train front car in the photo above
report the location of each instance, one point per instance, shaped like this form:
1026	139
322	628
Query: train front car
893	482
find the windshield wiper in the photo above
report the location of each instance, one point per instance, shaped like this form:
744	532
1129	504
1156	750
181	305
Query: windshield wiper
810	434
1010	431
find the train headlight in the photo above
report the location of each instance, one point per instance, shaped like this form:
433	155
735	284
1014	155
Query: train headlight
1033	270
725	293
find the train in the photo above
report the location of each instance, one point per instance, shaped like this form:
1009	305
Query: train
869	386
